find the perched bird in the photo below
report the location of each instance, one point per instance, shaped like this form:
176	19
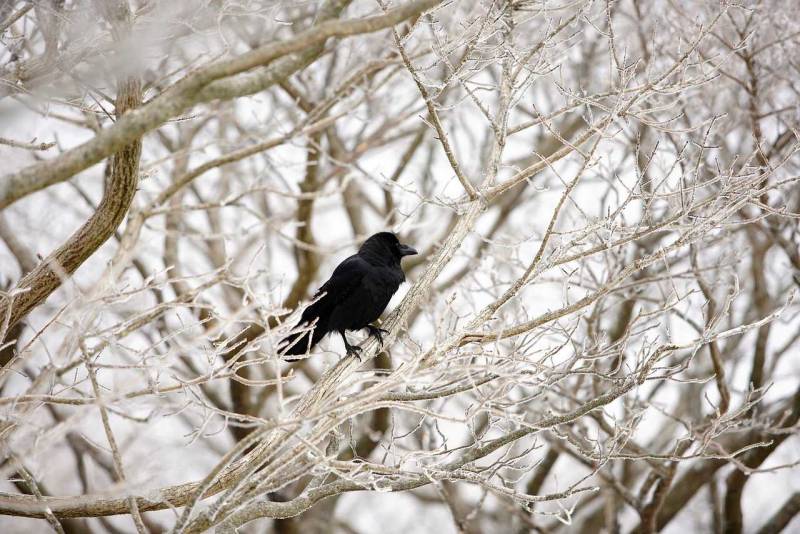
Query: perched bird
358	291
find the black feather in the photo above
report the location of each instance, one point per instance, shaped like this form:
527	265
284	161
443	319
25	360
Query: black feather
356	294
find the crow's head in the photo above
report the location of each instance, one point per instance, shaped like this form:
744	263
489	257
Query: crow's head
385	247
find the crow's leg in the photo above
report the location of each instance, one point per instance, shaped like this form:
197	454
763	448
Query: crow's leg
376	332
355	350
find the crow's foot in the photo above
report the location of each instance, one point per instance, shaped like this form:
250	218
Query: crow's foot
354	350
377	333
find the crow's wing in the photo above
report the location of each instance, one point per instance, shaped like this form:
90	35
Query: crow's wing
365	303
345	280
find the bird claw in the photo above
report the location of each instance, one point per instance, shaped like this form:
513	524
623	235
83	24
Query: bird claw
377	333
354	350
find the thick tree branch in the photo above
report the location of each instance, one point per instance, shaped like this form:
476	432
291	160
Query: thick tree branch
193	89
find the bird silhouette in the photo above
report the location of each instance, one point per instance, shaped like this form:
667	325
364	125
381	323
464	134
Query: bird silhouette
356	294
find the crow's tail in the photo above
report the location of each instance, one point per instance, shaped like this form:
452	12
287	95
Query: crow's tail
301	342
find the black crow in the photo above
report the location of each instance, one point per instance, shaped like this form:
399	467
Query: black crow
356	294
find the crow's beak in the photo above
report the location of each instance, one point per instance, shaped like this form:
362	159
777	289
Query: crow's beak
405	250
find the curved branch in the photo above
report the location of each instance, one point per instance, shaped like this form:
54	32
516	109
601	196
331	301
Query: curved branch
194	88
120	188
